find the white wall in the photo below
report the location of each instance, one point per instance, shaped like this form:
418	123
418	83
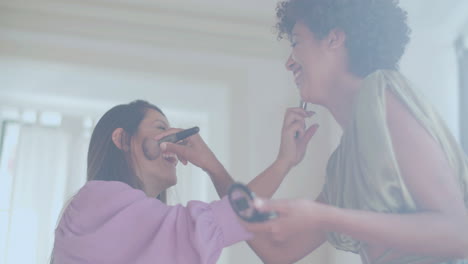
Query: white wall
430	61
432	67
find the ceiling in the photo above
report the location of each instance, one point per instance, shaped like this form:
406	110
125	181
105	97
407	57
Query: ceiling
239	26
426	12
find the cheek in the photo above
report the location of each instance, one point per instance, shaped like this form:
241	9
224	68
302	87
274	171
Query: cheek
151	149
137	152
315	85
300	56
309	63
313	75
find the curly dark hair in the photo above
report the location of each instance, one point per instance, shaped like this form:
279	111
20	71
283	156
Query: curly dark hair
376	30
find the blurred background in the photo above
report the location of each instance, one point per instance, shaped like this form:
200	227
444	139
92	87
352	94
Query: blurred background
212	63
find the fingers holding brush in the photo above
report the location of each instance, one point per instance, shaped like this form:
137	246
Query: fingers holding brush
192	149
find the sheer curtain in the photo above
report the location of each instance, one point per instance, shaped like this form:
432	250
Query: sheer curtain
38	193
47	167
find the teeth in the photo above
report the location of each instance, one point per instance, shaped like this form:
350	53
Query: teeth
169	155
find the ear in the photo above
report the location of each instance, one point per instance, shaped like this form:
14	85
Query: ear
118	137
336	39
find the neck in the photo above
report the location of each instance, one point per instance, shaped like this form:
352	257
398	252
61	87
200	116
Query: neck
341	104
151	186
152	192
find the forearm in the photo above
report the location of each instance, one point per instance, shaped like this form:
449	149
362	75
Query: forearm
290	251
267	182
264	185
220	178
427	233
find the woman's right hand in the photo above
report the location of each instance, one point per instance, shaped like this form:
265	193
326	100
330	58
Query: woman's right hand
295	217
292	148
192	149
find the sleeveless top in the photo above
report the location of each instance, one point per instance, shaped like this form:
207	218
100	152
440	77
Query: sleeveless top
363	173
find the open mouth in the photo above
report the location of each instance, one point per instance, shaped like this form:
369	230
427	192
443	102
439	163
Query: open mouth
170	158
297	76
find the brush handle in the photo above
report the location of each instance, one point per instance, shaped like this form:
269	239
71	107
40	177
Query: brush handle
302	105
180	135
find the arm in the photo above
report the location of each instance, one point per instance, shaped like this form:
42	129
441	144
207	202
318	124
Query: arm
428	233
264	185
270	250
441	229
280	250
103	213
292	151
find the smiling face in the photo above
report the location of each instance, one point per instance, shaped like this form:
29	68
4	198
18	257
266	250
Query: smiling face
315	63
156	171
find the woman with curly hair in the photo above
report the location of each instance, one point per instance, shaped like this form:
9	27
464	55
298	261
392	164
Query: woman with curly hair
396	189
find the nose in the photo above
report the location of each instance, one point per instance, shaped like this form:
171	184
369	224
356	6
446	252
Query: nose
290	63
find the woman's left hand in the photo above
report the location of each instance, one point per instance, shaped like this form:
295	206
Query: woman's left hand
294	136
294	217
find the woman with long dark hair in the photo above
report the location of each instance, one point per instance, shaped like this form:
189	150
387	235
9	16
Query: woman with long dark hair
116	218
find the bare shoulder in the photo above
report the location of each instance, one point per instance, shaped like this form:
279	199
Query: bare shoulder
422	161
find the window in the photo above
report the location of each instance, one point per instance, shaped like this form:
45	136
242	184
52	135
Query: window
42	164
8	145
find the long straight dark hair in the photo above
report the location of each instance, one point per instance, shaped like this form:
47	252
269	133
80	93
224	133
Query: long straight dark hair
106	162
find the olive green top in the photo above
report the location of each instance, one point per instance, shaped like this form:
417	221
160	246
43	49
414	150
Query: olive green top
363	173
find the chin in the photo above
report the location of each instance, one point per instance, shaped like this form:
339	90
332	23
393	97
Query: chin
172	181
309	99
307	96
312	98
315	101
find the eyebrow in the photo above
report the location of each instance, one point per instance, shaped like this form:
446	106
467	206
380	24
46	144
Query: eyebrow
161	121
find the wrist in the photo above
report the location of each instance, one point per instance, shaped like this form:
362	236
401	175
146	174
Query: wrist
323	215
215	169
328	215
283	165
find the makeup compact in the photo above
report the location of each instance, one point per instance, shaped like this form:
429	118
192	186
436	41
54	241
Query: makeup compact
242	199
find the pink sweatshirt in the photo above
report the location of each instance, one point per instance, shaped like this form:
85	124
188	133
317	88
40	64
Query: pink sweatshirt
110	222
